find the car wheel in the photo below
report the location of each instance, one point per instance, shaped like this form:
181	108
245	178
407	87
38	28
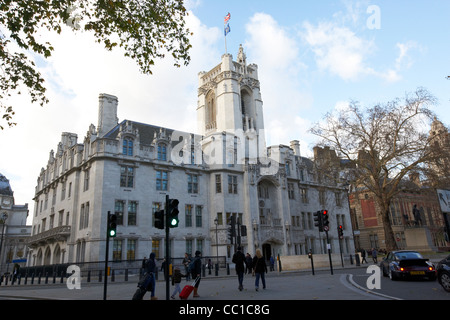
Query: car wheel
392	275
385	274
444	280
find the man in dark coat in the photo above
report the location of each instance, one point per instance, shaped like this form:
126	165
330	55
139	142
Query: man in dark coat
196	271
239	260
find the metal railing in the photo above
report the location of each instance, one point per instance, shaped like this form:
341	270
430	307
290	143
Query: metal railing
94	271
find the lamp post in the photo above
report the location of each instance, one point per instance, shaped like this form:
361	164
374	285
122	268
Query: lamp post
3	221
216	222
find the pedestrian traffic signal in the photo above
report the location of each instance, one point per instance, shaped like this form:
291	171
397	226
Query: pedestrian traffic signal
232	229
172	213
325	221
318	222
112	225
159	219
341	232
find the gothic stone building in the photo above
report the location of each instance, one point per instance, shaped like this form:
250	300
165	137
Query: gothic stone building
224	170
14	232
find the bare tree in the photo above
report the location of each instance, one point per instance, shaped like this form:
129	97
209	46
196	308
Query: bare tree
384	143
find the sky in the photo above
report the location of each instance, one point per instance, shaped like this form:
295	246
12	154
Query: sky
312	57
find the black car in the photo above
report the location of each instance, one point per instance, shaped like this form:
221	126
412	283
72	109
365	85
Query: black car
443	273
407	264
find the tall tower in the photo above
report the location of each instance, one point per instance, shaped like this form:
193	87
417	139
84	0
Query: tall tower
230	108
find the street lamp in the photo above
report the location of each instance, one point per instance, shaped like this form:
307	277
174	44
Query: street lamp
216	222
3	221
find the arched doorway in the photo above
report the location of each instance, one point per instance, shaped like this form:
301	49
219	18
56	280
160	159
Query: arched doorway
267	250
57	255
47	257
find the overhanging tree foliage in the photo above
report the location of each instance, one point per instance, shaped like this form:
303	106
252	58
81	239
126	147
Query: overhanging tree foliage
145	29
384	143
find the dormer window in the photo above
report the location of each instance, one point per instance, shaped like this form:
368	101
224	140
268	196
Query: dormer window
127	147
162	152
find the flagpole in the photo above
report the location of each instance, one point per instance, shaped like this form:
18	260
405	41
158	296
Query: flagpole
226	52
226	29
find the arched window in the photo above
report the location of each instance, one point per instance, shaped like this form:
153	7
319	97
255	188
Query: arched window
127	147
210	115
162	152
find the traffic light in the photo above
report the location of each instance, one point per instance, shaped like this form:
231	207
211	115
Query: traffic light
318	222
112	225
232	229
172	213
159	219
325	221
341	232
243	231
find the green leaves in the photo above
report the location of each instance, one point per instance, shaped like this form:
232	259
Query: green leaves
144	29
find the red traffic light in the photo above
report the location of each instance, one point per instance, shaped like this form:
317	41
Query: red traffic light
324	212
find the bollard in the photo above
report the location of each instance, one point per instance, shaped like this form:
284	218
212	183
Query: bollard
26	278
310	256
279	263
46	278
89	276
357	260
100	276
32	278
351	259
228	269
216	267
54	277
126	274
113	275
203	270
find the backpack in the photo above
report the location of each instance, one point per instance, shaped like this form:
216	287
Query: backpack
191	266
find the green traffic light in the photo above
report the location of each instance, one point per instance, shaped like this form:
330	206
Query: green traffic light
174	222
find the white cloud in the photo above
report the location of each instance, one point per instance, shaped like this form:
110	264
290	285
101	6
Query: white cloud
78	71
282	89
338	49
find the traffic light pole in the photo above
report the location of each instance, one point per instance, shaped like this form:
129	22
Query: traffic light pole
105	283
166	266
329	250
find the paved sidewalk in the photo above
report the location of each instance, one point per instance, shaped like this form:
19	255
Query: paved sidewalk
280	286
287	285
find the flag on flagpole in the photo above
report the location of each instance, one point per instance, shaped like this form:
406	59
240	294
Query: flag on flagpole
227	29
227	17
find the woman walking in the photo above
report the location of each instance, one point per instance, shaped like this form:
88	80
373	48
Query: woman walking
260	268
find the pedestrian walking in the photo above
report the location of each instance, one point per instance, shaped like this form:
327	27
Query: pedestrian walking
363	256
248	263
195	268
186	262
374	255
272	263
164	270
150	268
176	280
260	268
239	260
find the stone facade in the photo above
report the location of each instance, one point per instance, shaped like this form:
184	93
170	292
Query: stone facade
13	229
225	170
